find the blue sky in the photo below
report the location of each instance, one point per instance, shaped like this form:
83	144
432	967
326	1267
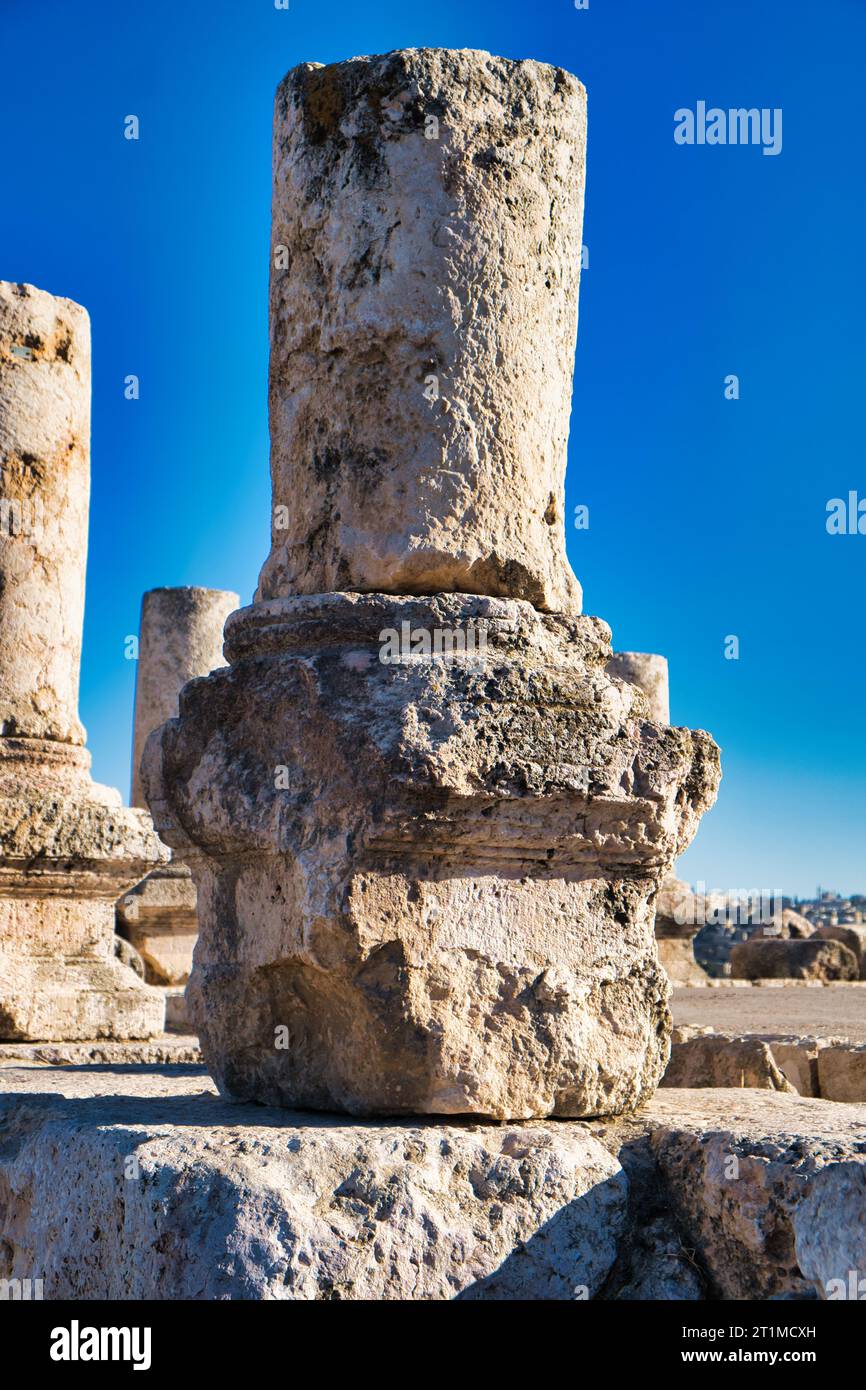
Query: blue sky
707	516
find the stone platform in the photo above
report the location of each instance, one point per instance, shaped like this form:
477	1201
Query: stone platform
171	1192
163	1050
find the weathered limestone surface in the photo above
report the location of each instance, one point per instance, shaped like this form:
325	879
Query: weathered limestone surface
158	917
427	226
67	846
842	1072
426	883
241	1202
738	1166
766	959
789	925
176	1016
718	1060
679	912
716	1193
677	959
127	955
164	1049
830	1232
797	1059
426	871
659	1267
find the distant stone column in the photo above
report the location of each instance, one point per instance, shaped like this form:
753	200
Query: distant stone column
650	674
180	637
425	826
67	845
426	248
680	914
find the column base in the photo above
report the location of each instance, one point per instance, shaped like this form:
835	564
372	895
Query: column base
426	883
68	848
158	918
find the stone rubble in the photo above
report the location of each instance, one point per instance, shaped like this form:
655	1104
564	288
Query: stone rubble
813	959
714	1060
829	1068
718	937
851	935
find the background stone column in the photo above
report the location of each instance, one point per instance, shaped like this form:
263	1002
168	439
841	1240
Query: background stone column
427	225
680	914
68	847
650	674
180	637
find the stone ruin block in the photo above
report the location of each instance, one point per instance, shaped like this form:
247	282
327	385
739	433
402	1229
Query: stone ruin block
426	826
813	959
852	936
68	847
180	638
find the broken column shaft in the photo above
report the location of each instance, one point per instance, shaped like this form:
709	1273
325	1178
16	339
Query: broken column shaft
180	638
650	674
67	845
679	912
427	222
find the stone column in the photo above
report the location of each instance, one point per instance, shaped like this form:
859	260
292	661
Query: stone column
680	914
427	226
67	845
426	828
180	637
44	502
650	674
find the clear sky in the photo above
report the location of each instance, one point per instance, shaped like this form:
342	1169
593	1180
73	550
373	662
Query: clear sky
707	515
